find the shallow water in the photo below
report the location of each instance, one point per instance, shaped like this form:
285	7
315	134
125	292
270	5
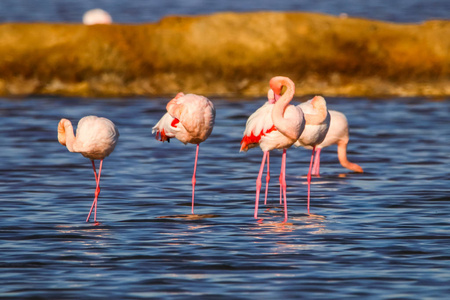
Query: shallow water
141	11
383	234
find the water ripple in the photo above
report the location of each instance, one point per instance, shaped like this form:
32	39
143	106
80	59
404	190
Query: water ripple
380	234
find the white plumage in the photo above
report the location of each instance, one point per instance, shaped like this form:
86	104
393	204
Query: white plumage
96	138
314	132
189	119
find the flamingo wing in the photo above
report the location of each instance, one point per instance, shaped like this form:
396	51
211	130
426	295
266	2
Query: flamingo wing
166	128
258	125
96	137
196	113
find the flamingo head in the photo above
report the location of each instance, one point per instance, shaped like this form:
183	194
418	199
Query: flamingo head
62	132
276	85
278	82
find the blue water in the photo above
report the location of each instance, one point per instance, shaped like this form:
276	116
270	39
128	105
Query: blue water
383	234
139	11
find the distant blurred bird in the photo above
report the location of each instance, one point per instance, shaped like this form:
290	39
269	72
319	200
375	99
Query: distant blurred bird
96	16
190	119
275	125
317	120
337	134
96	138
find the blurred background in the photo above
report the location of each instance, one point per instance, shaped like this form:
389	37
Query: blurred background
141	11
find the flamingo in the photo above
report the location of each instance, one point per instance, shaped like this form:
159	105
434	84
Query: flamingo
96	138
275	125
190	119
317	120
337	134
96	16
263	118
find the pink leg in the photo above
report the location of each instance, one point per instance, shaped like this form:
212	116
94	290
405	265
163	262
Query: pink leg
281	181
97	191
309	175
316	164
258	183
283	170
95	171
267	177
193	178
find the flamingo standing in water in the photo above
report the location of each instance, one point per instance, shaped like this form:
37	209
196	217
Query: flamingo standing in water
261	118
337	134
96	138
190	119
317	120
274	126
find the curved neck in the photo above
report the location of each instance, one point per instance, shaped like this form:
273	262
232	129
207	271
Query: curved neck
284	125
66	137
321	112
342	156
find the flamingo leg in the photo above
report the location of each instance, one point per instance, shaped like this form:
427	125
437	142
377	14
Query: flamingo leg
258	183
283	183
95	171
97	191
267	178
194	180
316	164
309	175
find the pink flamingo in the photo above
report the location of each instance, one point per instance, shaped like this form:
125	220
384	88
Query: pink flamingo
337	134
190	119
261	118
96	16
274	126
96	138
317	120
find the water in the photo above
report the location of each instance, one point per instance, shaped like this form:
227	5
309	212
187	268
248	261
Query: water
139	11
383	234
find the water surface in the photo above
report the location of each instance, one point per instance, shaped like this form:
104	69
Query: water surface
383	234
139	11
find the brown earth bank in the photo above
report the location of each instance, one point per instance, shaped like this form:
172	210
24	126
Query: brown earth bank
227	54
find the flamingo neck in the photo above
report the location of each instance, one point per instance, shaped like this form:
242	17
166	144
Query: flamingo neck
271	97
342	156
284	125
321	112
66	136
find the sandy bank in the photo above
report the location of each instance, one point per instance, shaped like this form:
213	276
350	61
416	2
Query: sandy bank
227	54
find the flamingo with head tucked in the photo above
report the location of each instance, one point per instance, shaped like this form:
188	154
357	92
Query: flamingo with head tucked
96	138
274	126
337	134
317	120
190	119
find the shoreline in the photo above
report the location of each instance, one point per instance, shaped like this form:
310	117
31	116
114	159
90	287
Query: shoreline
228	55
